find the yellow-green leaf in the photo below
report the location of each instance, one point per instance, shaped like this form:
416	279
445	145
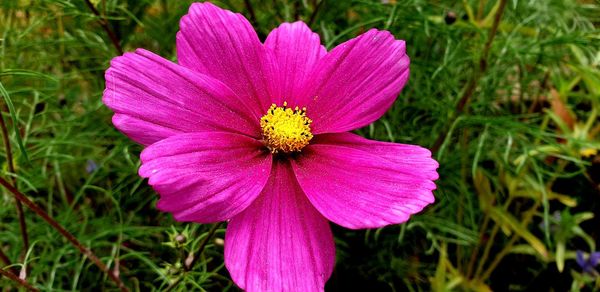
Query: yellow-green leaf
504	218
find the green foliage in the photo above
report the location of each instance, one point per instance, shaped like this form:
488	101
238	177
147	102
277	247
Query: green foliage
519	165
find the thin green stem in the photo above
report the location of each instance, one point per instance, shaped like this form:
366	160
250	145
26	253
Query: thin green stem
490	242
486	251
473	258
506	250
104	23
195	255
477	74
464	143
500	256
202	246
4	258
66	234
11	168
313	15
250	9
480	9
17	280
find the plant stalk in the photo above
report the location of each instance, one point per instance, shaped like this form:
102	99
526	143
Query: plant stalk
66	234
313	16
104	23
195	255
18	280
11	169
472	84
250	9
7	262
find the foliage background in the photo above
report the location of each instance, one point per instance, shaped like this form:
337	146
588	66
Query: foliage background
509	106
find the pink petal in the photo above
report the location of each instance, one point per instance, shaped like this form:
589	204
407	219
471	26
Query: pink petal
355	83
296	50
359	183
142	131
206	177
154	98
280	243
223	45
408	156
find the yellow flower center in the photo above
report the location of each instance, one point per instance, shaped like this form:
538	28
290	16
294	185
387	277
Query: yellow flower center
285	129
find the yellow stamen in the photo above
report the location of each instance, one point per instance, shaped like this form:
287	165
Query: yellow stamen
285	129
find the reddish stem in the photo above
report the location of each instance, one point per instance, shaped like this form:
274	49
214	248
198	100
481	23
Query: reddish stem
104	23
472	85
66	234
11	169
18	280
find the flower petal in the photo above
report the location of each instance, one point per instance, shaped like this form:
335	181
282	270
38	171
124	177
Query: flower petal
410	157
296	50
356	82
280	243
580	258
154	98
206	177
223	45
359	183
594	258
142	131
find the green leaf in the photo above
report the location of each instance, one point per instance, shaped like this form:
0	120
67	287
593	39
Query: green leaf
504	218
560	255
13	116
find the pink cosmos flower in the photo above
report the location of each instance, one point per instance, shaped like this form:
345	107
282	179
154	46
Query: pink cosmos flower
257	134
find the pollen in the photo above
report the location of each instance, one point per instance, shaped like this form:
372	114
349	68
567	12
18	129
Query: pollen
285	129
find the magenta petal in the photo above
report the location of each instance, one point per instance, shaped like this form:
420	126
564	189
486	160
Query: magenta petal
359	183
154	98
407	156
206	177
280	243
142	131
223	45
356	82
296	50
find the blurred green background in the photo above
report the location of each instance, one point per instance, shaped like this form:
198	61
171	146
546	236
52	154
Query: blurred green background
505	93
